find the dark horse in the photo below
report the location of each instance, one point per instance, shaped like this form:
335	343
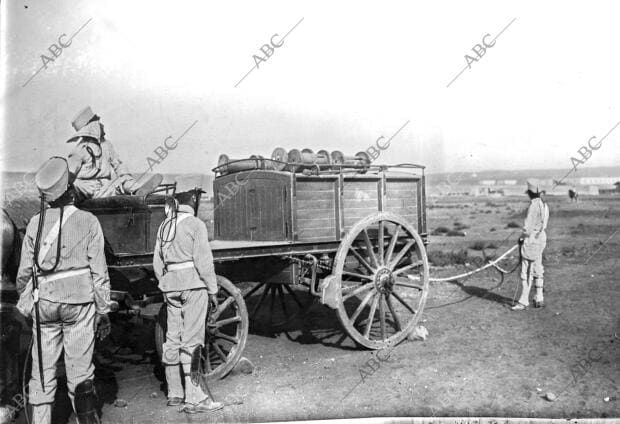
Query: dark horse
573	195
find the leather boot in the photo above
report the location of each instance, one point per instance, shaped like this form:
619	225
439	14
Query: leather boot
539	301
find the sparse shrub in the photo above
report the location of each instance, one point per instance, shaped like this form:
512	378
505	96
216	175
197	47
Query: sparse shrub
455	233
459	257
441	258
440	231
479	245
460	226
488	211
513	224
491	246
568	250
492	229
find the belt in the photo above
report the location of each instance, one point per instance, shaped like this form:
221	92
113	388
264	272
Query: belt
180	265
62	274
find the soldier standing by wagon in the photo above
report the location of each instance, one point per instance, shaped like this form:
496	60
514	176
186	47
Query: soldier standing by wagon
183	264
534	241
64	285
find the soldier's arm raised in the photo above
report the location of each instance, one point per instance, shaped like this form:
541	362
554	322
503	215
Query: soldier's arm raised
203	258
98	268
75	160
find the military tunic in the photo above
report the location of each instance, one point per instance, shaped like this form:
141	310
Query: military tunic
98	168
185	288
535	239
69	298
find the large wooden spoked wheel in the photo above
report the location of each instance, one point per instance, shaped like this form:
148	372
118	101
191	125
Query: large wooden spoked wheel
226	331
382	275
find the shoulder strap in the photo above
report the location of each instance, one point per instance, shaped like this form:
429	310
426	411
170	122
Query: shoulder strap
52	236
164	246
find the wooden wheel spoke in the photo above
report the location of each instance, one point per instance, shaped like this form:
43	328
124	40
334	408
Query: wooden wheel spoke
363	261
226	321
356	275
218	349
272	302
399	282
357	291
221	307
380	242
225	336
394	316
382	316
370	249
293	295
260	301
407	268
400	254
400	299
361	306
282	302
248	294
208	359
371	316
392	245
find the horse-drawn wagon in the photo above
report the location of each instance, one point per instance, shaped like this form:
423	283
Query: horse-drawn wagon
350	232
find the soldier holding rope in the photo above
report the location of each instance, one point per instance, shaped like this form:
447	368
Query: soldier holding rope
534	241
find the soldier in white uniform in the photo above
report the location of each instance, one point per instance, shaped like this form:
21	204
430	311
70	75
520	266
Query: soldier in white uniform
64	285
534	241
94	165
183	264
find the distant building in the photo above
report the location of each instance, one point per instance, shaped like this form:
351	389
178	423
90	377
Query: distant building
510	182
595	180
487	182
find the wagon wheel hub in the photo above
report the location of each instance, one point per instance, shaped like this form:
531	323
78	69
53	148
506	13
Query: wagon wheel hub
384	280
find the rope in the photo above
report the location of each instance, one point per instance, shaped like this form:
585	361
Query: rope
475	271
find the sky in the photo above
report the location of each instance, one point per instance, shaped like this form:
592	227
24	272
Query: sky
346	74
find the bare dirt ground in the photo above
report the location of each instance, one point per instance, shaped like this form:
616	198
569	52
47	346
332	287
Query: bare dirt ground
480	358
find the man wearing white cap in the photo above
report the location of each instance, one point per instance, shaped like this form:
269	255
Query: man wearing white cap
534	241
64	285
94	164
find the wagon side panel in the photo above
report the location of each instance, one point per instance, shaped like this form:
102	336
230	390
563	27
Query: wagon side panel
316	206
401	197
360	198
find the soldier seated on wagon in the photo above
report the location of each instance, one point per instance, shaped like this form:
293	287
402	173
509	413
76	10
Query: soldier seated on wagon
93	162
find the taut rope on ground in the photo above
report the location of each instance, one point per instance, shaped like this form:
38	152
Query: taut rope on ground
477	270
